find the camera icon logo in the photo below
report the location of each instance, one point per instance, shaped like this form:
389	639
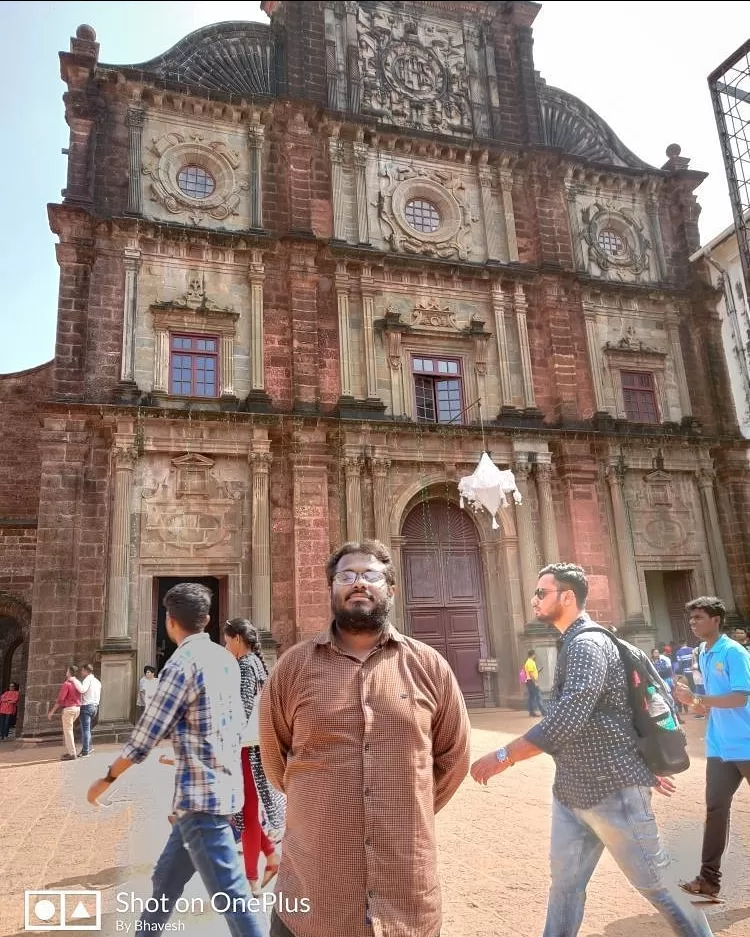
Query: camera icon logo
62	909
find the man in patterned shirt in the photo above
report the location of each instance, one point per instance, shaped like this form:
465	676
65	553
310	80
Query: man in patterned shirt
365	731
197	704
602	789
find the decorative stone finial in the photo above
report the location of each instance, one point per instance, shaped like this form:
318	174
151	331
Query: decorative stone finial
673	150
86	32
675	162
84	44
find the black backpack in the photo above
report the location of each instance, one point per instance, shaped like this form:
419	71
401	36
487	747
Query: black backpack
663	750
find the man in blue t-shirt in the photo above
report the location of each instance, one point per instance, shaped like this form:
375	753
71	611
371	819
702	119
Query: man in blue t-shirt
725	667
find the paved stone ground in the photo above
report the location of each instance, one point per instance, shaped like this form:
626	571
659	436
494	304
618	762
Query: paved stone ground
493	843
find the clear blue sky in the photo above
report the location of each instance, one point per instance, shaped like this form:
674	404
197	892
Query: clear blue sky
641	66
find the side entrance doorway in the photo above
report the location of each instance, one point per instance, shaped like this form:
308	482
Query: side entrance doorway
164	648
668	591
444	603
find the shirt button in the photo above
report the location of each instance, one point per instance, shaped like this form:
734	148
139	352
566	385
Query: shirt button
367	746
370	894
368	841
366	792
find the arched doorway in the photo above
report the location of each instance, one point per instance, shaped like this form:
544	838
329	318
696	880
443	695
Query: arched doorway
444	602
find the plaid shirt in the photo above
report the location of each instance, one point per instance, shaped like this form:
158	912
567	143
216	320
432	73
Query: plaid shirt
367	752
198	705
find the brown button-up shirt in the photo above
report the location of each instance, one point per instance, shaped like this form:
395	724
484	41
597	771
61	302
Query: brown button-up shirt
367	752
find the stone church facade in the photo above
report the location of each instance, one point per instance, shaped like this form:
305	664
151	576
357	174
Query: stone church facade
309	271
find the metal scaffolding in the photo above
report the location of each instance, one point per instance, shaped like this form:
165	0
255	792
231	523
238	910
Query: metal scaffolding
730	94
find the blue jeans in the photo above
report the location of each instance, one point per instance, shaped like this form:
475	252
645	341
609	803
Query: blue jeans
203	843
534	699
624	824
87	715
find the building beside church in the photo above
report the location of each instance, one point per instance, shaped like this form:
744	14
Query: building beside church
309	271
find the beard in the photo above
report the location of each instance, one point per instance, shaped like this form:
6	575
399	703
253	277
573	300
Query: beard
363	620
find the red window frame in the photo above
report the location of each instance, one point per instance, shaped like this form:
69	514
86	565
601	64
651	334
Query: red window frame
453	398
639	396
196	356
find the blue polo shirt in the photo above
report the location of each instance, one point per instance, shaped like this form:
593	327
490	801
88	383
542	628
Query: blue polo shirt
726	669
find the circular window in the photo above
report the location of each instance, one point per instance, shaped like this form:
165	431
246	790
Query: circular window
196	182
422	215
612	243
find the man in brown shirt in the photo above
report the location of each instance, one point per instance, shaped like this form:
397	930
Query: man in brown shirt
366	732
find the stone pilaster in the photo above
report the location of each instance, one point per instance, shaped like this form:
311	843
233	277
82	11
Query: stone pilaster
624	544
381	502
256	138
719	563
260	461
652	212
367	289
571	192
498	311
353	71
525	528
543	475
336	152
345	352
161	361
678	362
353	473
116	630
360	190
521	306
506	189
397	553
594	353
488	212
136	119
132	264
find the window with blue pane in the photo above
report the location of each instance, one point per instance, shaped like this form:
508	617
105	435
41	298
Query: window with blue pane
194	365
438	394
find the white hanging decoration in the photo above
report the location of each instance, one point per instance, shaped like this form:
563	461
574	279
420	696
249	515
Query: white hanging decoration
487	487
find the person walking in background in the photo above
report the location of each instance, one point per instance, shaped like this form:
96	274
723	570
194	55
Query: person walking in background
69	701
8	709
147	687
602	789
197	704
365	730
533	694
91	694
740	636
663	666
725	667
241	640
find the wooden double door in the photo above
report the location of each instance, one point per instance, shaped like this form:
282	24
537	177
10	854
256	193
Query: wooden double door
443	592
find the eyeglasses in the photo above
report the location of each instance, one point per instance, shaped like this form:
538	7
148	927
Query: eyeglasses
541	593
348	577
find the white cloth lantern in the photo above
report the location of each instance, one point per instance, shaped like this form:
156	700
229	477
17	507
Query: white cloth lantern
487	487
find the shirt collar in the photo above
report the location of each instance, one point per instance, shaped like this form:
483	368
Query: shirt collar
719	645
329	636
198	636
582	621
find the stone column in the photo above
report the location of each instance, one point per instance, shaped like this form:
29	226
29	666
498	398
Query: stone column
345	352
381	502
226	362
256	137
488	211
367	289
624	542
543	474
652	211
506	188
525	528
498	310
116	628
594	351
257	277
673	330
360	190
571	192
397	555
719	563
260	462
130	312
161	361
336	151
521	307
353	471
135	120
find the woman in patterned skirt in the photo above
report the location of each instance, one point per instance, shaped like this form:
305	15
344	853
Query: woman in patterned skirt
264	805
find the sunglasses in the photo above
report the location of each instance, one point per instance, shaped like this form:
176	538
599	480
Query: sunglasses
541	593
348	577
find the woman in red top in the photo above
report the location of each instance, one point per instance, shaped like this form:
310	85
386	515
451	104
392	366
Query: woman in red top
8	707
69	701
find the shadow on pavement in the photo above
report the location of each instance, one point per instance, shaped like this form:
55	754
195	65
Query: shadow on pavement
718	922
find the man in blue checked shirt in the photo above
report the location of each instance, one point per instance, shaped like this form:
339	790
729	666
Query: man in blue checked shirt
198	705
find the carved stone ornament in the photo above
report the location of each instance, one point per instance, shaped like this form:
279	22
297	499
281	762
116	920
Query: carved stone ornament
194	298
629	342
413	70
174	151
429	312
664	533
633	255
192	511
401	184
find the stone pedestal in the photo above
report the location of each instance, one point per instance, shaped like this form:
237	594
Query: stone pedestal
118	679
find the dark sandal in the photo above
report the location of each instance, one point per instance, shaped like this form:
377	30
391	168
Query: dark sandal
699	886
